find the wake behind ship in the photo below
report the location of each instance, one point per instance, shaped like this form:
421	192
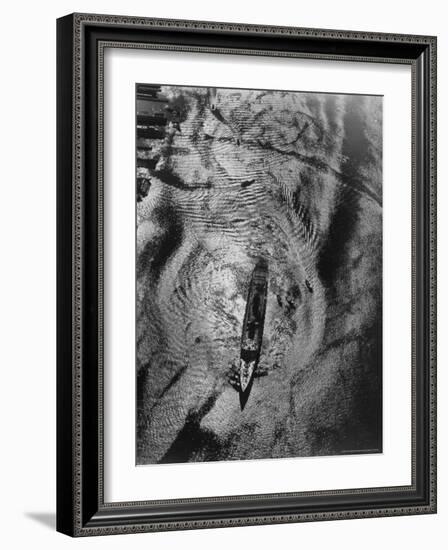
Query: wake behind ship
252	334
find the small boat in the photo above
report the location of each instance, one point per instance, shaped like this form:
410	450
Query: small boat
252	334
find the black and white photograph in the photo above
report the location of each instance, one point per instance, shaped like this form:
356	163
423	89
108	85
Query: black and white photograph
223	237
258	274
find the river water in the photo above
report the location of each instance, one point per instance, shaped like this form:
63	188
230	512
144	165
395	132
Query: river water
294	178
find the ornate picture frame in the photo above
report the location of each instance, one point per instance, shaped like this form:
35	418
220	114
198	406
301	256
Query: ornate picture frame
81	506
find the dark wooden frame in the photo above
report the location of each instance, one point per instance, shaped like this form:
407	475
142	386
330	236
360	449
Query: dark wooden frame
81	39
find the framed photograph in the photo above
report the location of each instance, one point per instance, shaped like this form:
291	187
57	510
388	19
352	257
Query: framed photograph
246	274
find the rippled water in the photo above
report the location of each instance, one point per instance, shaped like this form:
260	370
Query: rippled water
294	178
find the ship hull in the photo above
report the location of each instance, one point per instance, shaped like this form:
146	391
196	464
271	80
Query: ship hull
253	326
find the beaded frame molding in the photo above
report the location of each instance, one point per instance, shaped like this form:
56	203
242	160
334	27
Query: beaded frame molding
81	40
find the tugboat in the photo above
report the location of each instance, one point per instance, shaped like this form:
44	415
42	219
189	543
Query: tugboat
252	335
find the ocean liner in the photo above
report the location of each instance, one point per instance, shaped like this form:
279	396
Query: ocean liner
252	335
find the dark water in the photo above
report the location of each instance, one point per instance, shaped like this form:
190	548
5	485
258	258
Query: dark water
293	178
